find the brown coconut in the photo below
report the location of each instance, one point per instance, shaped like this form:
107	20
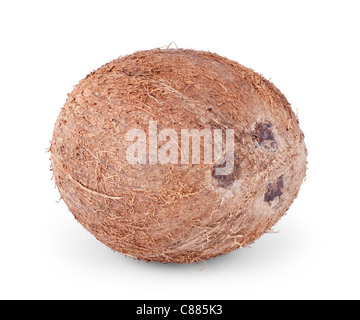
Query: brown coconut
179	213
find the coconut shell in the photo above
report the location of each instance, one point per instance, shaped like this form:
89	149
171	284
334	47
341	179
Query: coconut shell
179	213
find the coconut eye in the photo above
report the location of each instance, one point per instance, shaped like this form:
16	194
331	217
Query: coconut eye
274	190
264	136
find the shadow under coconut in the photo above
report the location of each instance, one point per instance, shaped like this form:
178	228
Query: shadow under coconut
219	262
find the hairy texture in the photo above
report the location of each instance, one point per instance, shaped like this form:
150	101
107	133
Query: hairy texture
176	212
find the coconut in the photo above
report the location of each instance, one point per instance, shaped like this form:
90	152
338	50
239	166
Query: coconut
128	181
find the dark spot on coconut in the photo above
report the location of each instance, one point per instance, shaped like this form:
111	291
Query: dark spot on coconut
264	136
225	181
274	190
263	132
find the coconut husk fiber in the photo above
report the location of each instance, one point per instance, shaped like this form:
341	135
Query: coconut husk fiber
180	213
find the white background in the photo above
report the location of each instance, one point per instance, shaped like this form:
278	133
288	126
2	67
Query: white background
310	51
